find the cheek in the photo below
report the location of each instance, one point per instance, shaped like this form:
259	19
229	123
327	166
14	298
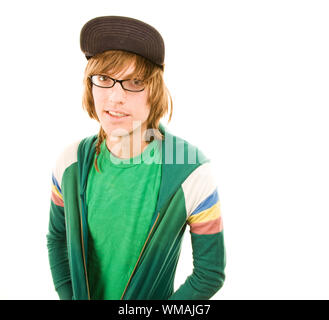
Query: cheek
144	108
99	101
98	97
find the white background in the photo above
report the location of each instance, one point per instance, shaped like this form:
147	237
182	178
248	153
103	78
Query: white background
249	80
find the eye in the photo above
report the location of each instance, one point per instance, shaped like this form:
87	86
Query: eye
134	85
103	78
137	82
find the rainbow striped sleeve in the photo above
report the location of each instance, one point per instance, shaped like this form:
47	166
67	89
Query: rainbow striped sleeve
65	159
56	193
206	218
202	202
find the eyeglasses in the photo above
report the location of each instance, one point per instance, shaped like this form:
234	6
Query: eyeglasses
103	81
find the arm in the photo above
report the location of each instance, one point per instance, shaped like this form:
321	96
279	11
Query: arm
208	256
206	229
56	243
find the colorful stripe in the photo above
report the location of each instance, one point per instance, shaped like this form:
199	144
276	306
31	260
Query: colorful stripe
66	158
198	186
56	193
210	227
55	183
206	215
206	218
202	201
57	200
207	203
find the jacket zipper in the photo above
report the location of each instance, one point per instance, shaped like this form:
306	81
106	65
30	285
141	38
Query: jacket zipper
140	255
84	258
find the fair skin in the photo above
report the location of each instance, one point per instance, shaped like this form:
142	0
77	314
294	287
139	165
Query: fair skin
124	135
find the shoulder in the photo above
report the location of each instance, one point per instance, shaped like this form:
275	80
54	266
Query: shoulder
71	154
198	183
199	186
66	158
182	151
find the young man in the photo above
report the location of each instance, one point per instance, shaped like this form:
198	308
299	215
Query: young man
121	200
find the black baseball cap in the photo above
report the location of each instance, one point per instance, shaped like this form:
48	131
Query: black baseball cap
122	33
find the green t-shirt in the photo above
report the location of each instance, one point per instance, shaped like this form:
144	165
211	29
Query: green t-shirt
121	200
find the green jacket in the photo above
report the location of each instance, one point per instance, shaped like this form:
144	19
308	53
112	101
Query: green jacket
187	196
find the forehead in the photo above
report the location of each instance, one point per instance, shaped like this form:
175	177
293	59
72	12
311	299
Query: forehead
125	72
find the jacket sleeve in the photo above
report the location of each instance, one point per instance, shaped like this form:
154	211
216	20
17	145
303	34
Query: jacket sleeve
206	229
56	243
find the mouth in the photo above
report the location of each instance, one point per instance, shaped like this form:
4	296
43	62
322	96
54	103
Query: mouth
116	115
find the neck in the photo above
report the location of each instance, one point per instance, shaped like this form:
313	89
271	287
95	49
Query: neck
126	147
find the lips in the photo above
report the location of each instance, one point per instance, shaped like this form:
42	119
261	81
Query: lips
118	111
116	119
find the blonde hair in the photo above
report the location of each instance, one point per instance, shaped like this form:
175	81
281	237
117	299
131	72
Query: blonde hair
117	61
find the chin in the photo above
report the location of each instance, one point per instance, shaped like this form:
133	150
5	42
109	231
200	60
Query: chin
117	132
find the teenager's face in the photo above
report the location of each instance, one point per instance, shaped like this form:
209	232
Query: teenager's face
134	104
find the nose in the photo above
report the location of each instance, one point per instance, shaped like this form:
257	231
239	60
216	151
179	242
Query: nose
117	94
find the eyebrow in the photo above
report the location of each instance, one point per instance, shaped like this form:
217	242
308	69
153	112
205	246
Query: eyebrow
127	77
